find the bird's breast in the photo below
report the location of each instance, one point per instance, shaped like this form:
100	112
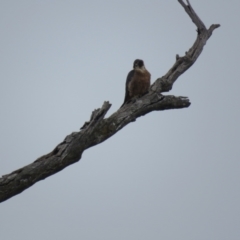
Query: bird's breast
140	83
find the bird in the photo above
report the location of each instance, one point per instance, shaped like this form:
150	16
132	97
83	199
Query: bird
138	82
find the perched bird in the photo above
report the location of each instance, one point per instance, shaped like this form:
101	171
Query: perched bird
138	81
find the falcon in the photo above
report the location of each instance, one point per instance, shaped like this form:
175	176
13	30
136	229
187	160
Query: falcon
138	81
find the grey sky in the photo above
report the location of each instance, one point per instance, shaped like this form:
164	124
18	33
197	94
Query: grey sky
169	175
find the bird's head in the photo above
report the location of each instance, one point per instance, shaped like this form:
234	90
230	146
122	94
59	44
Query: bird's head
138	63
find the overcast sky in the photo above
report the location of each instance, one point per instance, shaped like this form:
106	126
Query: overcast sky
171	175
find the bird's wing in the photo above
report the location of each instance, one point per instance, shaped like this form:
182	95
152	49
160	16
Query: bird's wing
129	78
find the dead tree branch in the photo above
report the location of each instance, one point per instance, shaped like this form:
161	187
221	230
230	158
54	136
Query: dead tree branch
98	128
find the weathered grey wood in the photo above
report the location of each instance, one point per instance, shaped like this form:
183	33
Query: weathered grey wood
98	128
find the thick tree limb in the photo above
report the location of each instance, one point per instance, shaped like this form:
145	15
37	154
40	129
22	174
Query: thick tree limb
98	129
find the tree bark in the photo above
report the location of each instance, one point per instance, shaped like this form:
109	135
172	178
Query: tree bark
98	128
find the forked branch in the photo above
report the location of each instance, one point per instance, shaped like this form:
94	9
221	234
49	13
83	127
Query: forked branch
98	128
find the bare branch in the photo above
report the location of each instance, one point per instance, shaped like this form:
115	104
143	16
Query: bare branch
192	14
98	129
165	83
